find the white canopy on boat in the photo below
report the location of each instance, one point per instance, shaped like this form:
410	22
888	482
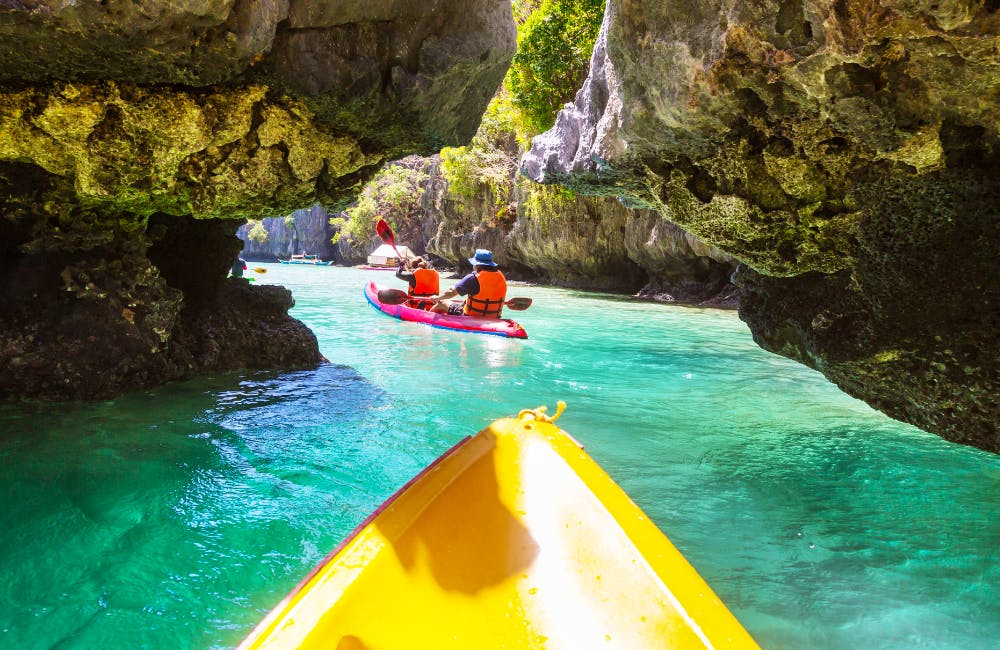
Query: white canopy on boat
385	255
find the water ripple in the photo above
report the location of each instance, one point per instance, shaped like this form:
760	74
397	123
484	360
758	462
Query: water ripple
177	517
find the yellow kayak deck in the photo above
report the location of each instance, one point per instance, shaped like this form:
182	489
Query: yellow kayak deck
515	538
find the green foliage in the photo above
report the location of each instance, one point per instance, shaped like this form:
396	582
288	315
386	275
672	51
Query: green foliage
490	161
338	223
501	122
458	168
257	233
393	195
555	40
545	204
360	222
553	54
523	9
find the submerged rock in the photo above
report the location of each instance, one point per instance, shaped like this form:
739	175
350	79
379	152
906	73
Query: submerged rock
846	153
126	125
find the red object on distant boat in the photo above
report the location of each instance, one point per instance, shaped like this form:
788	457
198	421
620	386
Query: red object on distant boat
473	324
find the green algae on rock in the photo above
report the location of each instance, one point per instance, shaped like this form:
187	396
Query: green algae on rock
841	152
211	154
125	126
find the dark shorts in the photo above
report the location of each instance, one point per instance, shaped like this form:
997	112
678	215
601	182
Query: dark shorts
456	309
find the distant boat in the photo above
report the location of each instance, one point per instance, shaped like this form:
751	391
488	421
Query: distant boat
306	259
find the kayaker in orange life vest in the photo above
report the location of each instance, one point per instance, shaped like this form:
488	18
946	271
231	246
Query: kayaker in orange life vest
485	290
423	282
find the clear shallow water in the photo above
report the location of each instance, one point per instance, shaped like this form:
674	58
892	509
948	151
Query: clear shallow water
177	518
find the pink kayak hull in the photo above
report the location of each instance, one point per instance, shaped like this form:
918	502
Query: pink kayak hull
497	327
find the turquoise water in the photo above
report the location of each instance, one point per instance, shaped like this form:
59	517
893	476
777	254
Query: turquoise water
176	518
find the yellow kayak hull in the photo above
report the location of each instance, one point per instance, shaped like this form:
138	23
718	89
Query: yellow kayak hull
515	538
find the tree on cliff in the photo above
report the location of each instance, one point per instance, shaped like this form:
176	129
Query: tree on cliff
394	195
555	40
554	44
257	232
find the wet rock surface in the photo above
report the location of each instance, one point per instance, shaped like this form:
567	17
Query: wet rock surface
578	241
137	311
125	125
843	153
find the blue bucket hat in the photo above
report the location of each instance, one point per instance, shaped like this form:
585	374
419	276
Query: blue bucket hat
483	257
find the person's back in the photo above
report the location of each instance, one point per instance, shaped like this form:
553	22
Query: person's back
488	301
422	282
427	283
485	290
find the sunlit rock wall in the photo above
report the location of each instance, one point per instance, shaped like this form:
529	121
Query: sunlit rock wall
116	116
575	241
846	152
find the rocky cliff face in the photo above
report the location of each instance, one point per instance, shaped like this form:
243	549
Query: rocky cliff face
570	240
124	125
303	231
847	153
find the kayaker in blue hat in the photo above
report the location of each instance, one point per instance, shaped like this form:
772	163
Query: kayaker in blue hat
485	290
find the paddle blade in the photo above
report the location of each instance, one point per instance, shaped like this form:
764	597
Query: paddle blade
392	296
260	269
385	232
398	297
518	304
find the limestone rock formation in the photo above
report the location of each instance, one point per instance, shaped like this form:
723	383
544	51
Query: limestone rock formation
122	123
847	153
585	242
397	194
303	231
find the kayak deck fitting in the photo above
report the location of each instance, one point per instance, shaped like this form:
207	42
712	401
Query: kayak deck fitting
514	538
496	326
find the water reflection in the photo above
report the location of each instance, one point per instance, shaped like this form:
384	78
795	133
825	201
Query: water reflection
177	517
490	352
150	510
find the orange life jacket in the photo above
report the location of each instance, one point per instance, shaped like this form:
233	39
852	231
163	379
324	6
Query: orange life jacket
492	292
428	283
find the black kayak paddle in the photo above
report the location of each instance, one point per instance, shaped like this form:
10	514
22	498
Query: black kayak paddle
398	297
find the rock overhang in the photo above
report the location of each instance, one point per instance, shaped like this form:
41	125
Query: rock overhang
844	153
124	124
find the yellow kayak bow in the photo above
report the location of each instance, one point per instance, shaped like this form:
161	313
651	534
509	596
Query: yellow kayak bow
515	538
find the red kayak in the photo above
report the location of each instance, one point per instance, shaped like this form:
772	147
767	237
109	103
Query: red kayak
495	326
